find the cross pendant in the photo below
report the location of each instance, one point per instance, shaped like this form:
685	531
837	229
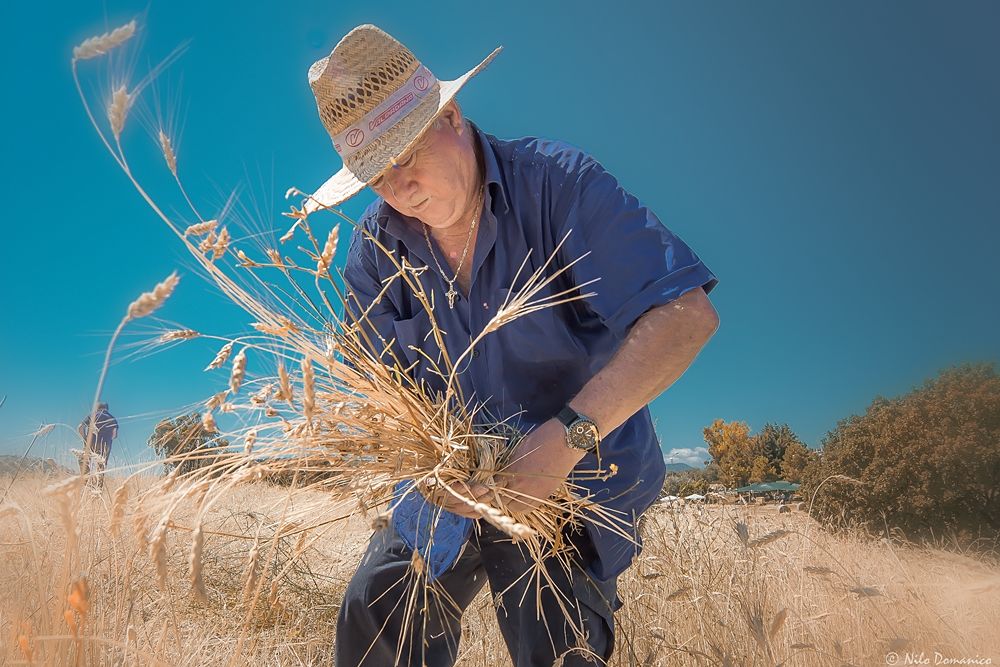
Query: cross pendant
451	294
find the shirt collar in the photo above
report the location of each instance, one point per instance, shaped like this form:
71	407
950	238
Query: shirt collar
494	178
395	223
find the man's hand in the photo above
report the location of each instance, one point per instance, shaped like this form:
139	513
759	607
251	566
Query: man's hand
443	496
538	466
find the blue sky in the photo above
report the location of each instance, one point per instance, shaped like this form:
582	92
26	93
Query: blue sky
836	165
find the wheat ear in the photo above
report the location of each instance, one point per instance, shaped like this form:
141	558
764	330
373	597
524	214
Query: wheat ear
101	44
148	302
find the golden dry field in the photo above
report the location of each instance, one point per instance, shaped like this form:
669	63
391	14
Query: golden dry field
77	588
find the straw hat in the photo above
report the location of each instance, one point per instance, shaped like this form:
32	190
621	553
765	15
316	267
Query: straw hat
375	99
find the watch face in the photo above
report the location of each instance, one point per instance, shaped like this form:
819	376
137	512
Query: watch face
583	435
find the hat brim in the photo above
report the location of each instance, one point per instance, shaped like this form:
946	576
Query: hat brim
345	184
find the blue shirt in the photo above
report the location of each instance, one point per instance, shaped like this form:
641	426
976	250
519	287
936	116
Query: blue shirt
105	426
537	191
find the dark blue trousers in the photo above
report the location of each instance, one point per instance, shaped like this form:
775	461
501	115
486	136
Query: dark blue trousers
375	624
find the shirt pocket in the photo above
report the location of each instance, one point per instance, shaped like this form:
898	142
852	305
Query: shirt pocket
415	341
544	335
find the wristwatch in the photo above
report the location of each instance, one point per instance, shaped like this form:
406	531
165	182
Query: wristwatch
581	431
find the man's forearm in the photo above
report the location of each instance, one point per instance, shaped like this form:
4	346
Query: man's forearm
658	349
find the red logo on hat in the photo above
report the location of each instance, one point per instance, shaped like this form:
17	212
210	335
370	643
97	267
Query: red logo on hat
420	83
355	137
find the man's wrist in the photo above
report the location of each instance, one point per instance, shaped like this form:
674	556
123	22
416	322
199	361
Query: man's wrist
582	432
595	412
571	455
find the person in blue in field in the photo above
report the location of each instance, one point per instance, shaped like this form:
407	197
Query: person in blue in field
469	207
102	432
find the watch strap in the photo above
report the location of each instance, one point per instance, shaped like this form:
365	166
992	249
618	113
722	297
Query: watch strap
567	416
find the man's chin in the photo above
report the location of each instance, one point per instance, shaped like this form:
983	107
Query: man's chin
424	214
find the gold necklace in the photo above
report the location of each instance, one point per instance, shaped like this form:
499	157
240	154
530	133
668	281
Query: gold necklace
452	294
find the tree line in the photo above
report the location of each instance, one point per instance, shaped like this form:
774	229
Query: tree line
922	465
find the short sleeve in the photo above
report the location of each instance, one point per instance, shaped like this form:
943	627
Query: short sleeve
639	263
364	297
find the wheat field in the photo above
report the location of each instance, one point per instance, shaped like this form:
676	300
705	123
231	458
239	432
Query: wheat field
715	585
245	572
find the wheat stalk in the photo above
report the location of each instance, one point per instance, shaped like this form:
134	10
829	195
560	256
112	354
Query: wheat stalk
158	552
208	423
250	580
308	389
221	356
248	441
767	538
216	400
148	302
177	334
777	623
201	228
221	244
238	372
195	564
118	110
284	384
168	152
329	250
101	44
118	508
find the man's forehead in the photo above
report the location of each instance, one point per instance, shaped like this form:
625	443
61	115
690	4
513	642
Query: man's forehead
424	141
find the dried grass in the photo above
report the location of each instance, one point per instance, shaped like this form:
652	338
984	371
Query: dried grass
694	597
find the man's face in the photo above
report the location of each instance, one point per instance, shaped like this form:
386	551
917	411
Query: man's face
431	181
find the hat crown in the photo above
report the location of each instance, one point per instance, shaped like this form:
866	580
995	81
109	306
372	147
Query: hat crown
375	100
365	68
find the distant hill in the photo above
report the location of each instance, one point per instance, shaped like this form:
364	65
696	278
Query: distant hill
679	467
10	463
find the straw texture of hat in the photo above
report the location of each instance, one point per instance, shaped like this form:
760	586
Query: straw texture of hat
375	99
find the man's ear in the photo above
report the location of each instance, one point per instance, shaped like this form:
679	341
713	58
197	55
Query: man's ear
453	116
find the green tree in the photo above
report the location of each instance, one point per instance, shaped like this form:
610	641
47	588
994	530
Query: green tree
693	485
772	442
671	484
926	463
711	472
761	470
796	459
684	483
183	441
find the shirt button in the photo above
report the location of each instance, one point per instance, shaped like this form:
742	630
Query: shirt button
475	354
486	306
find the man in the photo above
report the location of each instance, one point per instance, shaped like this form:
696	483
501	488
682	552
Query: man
576	377
103	431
